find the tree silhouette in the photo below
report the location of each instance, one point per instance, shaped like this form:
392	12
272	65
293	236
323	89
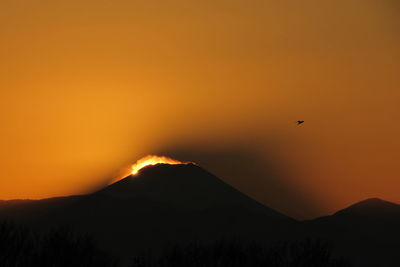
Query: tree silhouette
61	247
16	245
19	247
308	253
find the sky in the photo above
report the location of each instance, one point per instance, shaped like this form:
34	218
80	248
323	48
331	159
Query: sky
88	87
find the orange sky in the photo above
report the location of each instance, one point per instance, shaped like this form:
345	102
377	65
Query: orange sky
89	86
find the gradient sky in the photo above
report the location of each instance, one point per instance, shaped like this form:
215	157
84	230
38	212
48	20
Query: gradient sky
90	86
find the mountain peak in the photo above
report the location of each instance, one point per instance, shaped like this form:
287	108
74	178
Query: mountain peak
166	167
371	207
374	202
186	187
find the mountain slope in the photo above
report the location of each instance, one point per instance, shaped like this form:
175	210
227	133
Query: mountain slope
373	208
176	204
367	232
162	204
185	187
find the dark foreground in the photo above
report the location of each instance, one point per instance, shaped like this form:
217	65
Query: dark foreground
20	246
177	215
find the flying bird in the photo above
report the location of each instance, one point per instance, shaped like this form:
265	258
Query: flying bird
300	122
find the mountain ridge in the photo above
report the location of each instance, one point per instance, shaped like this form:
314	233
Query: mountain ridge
166	204
370	206
185	186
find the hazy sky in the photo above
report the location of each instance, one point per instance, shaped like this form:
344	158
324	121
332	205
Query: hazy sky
90	86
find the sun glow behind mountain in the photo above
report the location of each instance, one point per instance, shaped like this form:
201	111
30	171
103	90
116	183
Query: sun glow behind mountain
153	160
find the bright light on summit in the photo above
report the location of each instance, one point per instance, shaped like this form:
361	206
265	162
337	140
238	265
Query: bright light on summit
153	160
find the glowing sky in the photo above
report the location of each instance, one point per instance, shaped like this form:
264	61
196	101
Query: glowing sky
90	86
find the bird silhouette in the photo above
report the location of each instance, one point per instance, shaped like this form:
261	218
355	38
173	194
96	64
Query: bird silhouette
300	122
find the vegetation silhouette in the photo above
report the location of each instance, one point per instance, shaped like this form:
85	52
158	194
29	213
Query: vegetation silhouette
178	204
236	253
20	247
16	245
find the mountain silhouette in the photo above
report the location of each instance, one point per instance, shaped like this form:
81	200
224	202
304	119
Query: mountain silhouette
161	204
177	204
367	232
373	208
185	187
